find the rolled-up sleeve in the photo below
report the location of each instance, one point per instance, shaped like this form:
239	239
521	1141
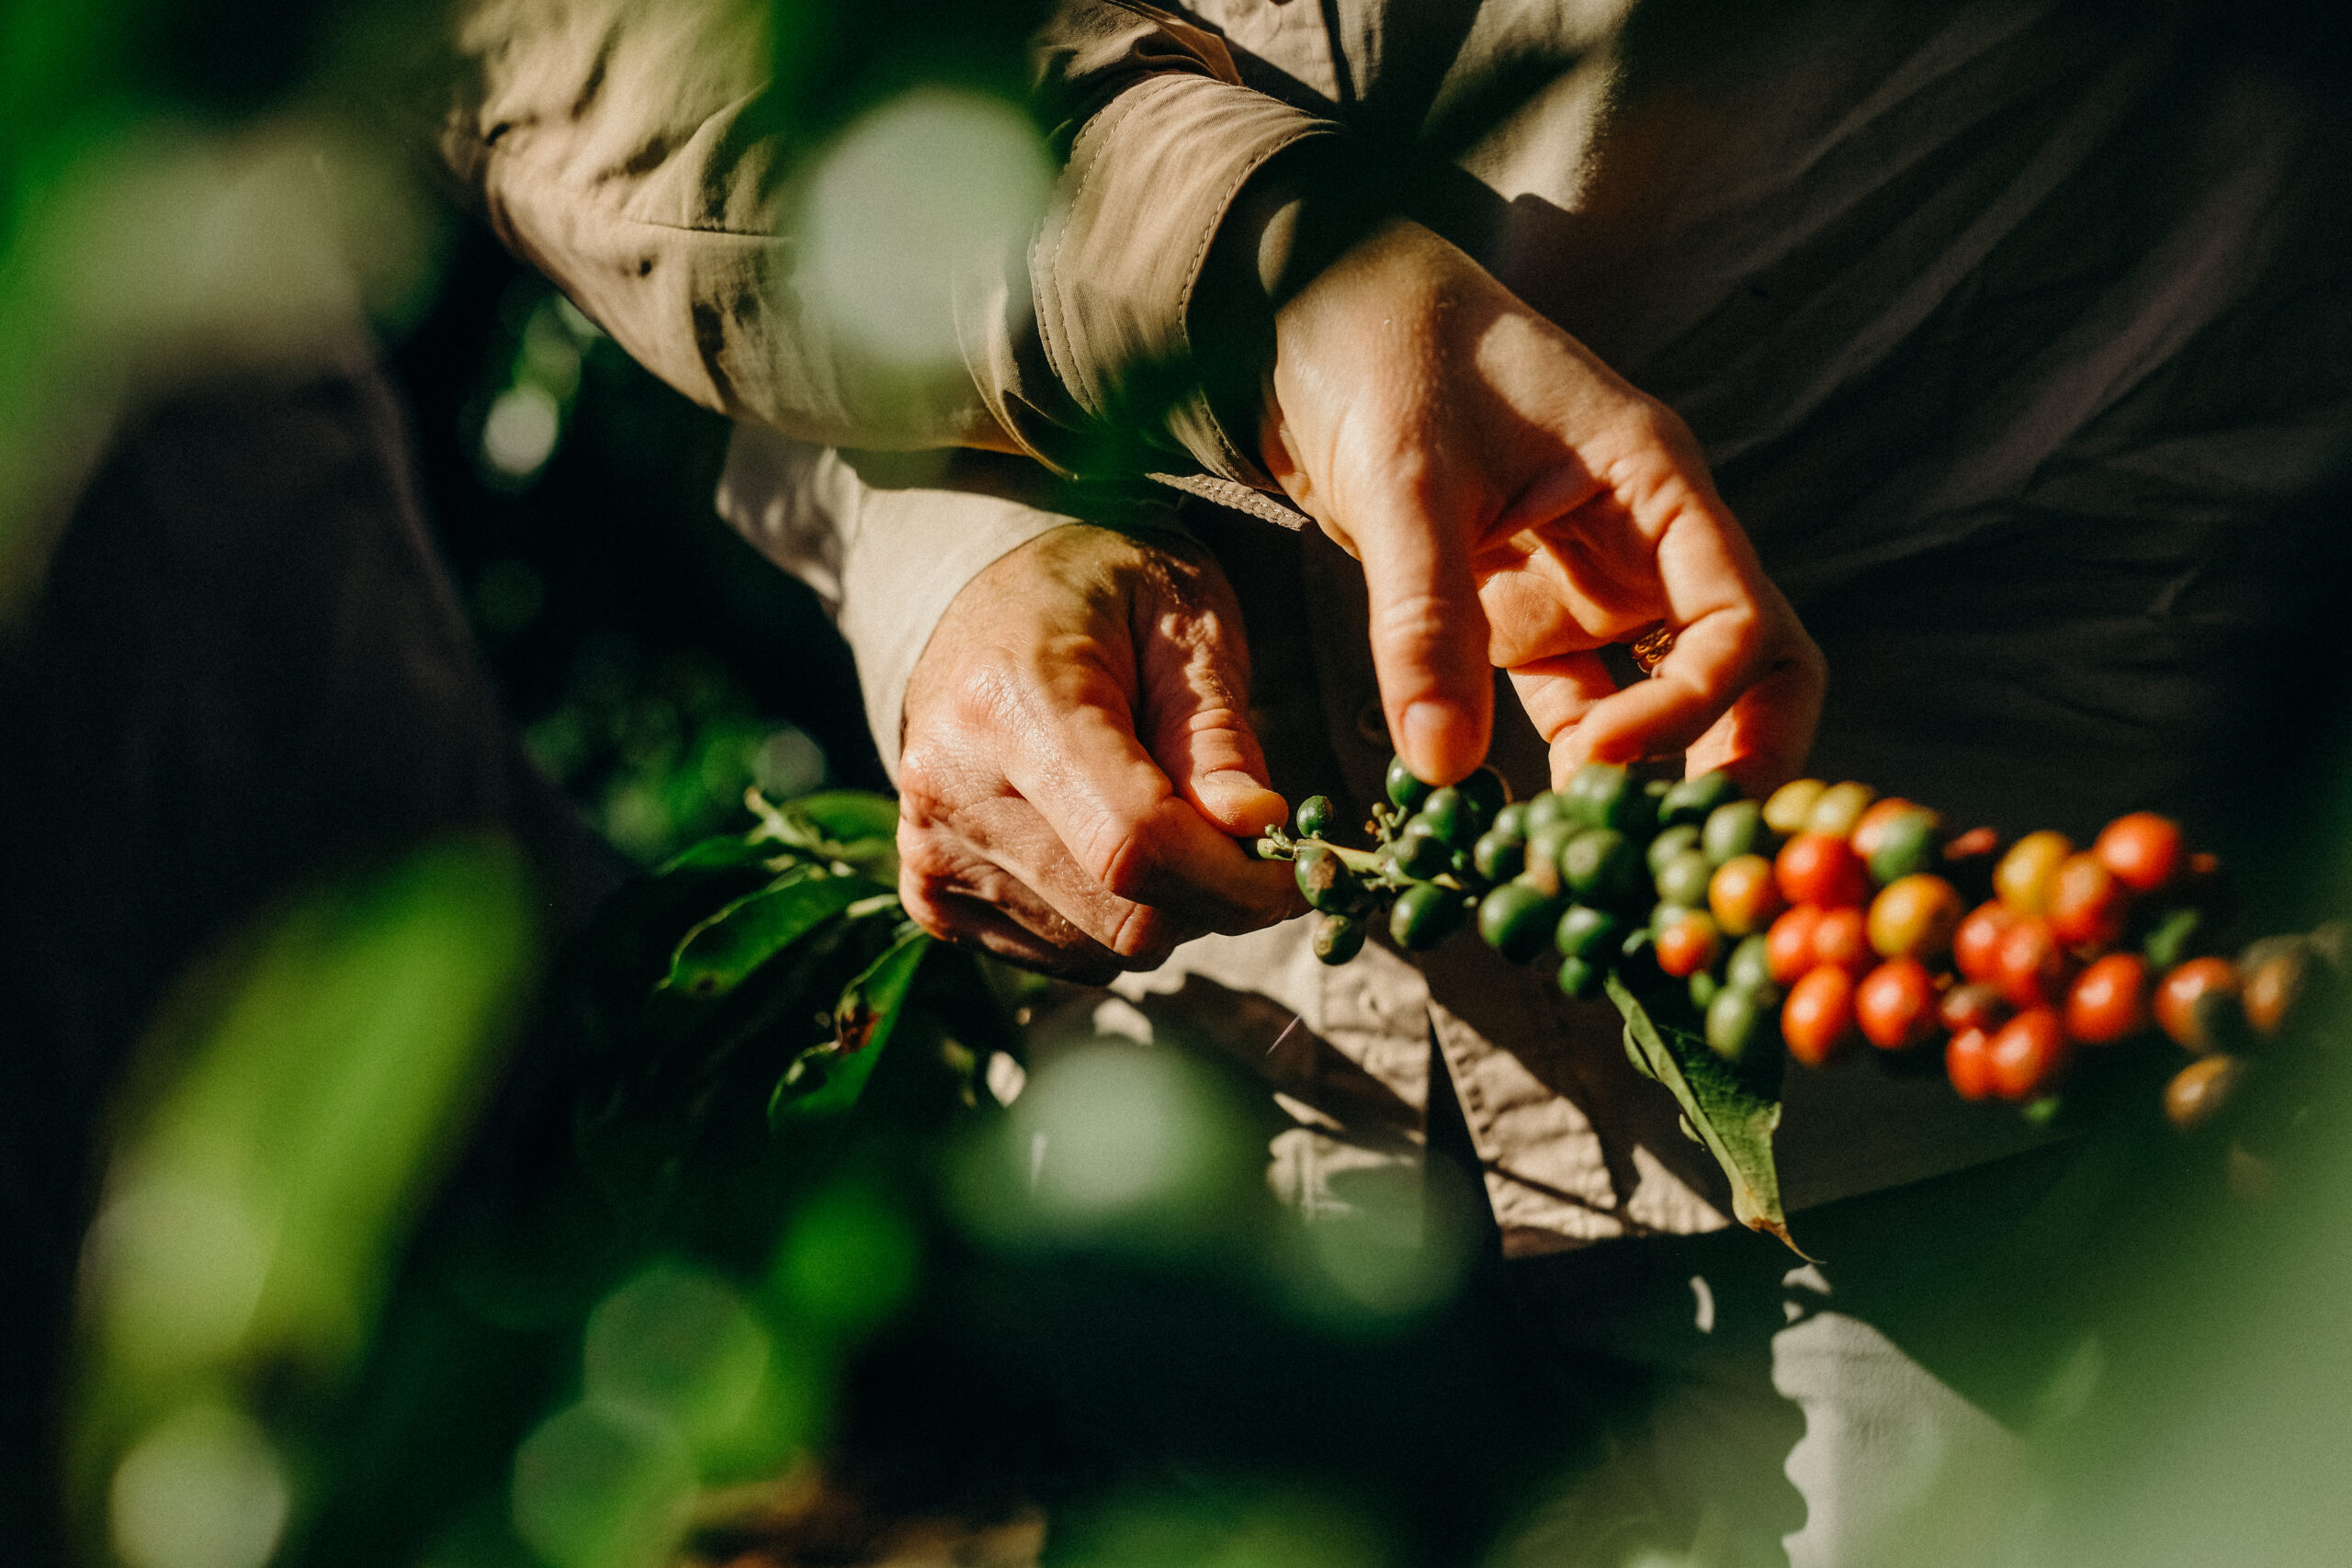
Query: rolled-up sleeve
629	150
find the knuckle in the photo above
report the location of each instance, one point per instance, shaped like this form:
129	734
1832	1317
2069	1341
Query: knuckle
1144	938
1123	857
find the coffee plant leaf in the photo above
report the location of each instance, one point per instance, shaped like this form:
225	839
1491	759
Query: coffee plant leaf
1730	1115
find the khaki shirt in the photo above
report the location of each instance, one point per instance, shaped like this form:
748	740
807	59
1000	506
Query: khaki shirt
2015	334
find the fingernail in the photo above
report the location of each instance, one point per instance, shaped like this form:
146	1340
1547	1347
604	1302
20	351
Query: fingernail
1240	803
1431	733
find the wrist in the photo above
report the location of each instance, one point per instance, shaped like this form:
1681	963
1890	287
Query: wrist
1297	215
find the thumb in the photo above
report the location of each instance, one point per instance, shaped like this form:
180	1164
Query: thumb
1428	640
1195	675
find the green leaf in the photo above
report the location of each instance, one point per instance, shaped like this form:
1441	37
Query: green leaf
848	815
1726	1112
829	1079
713	957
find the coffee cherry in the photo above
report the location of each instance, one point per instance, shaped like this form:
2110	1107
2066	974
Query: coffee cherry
1671	845
1602	866
1968	1065
2197	1005
1737	829
2031	966
1976	944
1903	845
2109	1000
1605	794
1895	1005
1580	977
1788	946
1419	852
1743	894
1498	856
1973	1006
1691	800
1684	879
1842	941
1450	817
1405	790
1914	917
1821	868
1817	1020
1549	807
1838	808
1545	844
2087	906
2143	850
1786	810
2022	879
1424	916
1326	883
2276	984
1517	921
1689	943
1588	934
1338	938
1740	1023
1314	818
1750	965
1512	821
2201	1091
1486	795
2026	1057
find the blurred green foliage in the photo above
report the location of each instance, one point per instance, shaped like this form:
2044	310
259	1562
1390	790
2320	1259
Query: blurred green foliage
288	1120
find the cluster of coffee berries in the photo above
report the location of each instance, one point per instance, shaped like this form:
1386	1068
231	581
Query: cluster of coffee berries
1824	917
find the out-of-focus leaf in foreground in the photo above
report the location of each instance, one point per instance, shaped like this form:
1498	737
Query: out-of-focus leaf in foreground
288	1117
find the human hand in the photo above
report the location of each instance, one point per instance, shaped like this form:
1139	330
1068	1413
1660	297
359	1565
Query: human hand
1514	502
1078	761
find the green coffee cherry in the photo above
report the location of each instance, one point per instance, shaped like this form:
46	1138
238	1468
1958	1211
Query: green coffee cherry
1683	880
1602	867
1740	1022
1451	816
1679	840
1486	794
1497	856
1580	977
1907	847
1419	853
1517	920
1326	883
1512	820
1704	984
1338	938
1587	933
1545	846
1548	808
1605	794
1314	818
1750	965
1734	830
1424	916
1406	791
1691	800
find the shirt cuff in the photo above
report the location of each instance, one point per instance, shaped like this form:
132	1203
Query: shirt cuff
886	562
1150	179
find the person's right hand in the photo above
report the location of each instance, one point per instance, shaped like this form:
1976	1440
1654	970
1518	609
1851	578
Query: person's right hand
1078	764
1513	501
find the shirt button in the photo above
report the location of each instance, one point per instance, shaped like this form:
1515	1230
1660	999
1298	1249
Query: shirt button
1372	724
